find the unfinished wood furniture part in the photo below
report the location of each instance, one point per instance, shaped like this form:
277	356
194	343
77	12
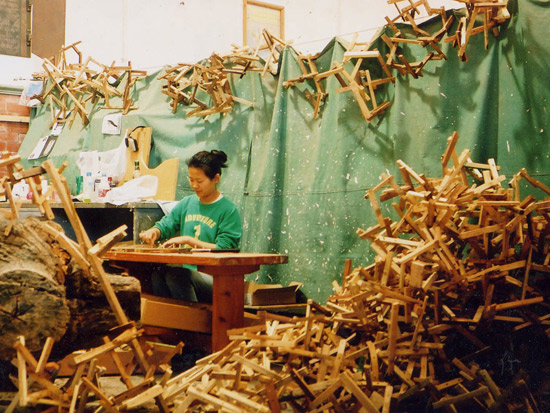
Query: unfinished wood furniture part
309	72
177	85
274	45
493	12
410	9
228	270
73	85
37	385
8	161
241	60
396	58
15	173
168	313
360	83
130	77
209	77
13	214
166	172
408	12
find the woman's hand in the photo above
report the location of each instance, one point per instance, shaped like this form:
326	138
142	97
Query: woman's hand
185	239
188	241
150	236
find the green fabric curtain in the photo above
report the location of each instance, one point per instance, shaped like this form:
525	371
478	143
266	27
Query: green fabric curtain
300	182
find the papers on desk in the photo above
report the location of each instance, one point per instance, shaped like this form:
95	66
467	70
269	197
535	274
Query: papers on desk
133	191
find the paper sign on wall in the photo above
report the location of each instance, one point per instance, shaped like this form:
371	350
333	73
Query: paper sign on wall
111	124
43	147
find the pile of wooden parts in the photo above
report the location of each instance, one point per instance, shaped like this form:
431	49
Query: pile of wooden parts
395	58
210	77
494	13
310	72
359	82
88	256
72	85
37	382
362	83
407	331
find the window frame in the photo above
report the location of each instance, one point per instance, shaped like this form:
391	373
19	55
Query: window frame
271	7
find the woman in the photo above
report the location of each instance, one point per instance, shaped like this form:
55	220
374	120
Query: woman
204	220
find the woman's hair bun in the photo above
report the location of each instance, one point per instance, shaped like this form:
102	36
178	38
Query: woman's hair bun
221	156
211	162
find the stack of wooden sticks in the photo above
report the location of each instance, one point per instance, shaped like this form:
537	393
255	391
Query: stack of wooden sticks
464	257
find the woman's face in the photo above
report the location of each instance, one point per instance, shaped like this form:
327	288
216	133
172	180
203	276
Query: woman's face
204	187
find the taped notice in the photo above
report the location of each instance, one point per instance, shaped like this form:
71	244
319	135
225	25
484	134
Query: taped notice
44	147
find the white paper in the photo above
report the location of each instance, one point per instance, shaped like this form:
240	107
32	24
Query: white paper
39	148
88	162
133	191
113	162
57	127
32	88
111	124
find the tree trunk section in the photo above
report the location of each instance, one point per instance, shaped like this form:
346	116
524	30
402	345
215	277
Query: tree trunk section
44	293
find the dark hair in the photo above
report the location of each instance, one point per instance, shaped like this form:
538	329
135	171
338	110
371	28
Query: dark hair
211	162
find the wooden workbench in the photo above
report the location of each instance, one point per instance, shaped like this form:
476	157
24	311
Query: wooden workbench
228	270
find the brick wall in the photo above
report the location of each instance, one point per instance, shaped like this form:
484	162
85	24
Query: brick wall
12	131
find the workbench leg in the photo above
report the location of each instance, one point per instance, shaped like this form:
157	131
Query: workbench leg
227	307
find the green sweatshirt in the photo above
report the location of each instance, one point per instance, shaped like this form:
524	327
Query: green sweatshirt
218	223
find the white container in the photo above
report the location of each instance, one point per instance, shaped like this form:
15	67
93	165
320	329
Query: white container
88	187
102	187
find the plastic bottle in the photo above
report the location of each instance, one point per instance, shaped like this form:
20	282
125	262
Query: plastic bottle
137	172
44	184
103	187
97	183
88	190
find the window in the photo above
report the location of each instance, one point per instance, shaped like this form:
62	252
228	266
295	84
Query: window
36	23
258	16
15	27
48	27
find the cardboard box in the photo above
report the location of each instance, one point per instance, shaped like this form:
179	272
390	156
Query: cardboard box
270	294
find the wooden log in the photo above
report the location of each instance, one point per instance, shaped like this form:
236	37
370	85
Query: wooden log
44	292
32	299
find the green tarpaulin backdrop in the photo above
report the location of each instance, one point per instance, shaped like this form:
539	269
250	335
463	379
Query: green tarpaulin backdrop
300	182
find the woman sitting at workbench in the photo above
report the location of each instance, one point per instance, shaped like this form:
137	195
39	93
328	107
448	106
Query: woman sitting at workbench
204	220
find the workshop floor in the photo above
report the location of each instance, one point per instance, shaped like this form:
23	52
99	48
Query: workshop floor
111	385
